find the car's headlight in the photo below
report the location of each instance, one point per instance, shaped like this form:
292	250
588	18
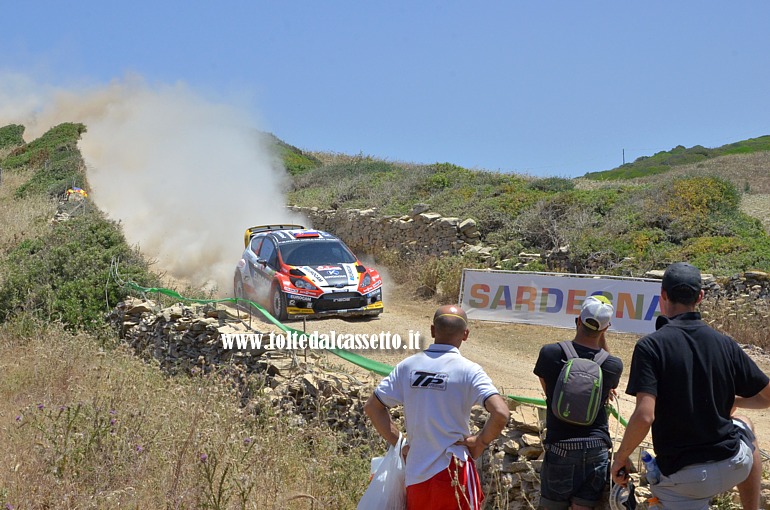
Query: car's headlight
366	281
302	284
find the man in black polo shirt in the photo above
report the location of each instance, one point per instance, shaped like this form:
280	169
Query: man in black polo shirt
688	379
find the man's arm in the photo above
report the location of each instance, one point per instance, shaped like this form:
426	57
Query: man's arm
759	401
498	419
638	427
380	416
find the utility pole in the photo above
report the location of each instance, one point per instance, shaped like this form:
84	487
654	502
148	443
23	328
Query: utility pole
624	156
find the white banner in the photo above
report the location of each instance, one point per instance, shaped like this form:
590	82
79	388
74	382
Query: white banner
555	300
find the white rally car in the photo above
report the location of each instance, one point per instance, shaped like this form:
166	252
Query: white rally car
293	272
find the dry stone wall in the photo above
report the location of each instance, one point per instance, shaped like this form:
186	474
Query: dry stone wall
420	232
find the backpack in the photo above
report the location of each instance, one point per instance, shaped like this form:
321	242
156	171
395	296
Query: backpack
578	393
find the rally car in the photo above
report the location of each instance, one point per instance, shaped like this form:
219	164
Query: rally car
293	271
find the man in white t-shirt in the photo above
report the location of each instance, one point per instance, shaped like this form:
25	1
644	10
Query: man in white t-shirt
438	387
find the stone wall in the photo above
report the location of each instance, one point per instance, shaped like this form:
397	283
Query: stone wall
418	233
422	232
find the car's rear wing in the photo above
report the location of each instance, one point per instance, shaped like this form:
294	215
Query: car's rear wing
252	231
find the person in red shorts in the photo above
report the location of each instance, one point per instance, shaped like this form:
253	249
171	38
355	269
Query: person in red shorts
438	387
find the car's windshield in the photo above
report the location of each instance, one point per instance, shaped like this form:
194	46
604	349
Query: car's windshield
315	253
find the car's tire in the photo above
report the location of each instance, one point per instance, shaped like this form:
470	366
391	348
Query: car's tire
238	286
278	304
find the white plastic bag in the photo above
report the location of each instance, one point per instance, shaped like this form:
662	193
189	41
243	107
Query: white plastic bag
387	490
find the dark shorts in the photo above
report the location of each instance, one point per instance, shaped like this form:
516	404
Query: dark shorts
577	476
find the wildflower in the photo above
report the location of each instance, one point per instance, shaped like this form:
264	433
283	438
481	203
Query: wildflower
247	441
40	407
204	457
139	448
18	418
113	421
8	506
113	412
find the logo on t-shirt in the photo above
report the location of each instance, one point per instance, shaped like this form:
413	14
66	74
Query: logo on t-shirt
430	380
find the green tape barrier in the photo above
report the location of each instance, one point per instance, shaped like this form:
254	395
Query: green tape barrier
362	361
382	369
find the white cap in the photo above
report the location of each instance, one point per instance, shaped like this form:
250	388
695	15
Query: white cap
596	313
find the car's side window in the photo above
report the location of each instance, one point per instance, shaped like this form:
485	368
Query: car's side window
255	244
268	252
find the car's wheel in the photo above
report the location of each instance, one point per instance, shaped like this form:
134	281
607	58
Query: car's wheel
278	304
238	286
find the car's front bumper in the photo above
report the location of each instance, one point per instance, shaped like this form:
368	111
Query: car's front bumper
316	308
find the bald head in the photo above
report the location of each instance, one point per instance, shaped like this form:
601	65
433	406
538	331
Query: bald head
450	324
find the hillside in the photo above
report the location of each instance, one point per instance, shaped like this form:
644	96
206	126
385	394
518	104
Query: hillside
665	161
622	226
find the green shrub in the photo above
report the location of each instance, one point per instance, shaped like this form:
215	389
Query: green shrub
441	277
66	275
54	144
294	160
11	136
552	184
55	178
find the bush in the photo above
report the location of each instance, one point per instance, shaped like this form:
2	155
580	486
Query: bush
11	136
65	275
441	277
552	184
55	142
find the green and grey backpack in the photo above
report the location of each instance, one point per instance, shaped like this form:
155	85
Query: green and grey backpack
577	396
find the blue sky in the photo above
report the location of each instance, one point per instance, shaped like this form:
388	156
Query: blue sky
546	88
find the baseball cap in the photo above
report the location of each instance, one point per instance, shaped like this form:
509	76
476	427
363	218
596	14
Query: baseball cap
681	274
596	313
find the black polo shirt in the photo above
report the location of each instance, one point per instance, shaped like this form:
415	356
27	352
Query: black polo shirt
695	373
548	366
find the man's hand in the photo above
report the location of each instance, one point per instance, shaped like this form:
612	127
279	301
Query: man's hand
620	469
475	446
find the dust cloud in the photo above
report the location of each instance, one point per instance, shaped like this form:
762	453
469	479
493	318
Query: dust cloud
185	176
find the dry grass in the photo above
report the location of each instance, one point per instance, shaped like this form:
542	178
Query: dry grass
22	218
746	319
87	427
758	206
739	169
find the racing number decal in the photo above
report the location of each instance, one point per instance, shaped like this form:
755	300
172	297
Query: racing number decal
428	380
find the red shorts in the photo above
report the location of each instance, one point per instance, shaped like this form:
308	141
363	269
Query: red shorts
455	488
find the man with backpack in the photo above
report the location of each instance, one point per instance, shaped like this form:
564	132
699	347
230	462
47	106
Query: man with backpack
577	378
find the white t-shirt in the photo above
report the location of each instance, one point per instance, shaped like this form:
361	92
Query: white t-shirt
438	388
